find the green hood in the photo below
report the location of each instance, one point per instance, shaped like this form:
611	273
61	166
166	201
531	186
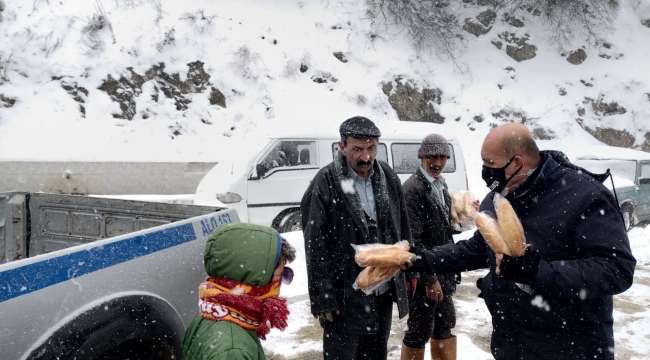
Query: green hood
243	252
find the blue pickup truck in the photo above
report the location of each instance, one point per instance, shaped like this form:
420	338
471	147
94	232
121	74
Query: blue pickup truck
631	176
87	278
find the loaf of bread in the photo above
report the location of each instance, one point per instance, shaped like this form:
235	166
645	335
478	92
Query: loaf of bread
469	209
372	276
462	210
513	231
457	201
385	256
489	228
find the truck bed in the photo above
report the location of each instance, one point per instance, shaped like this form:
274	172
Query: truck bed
38	223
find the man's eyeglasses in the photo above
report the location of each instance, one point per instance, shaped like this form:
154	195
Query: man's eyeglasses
287	275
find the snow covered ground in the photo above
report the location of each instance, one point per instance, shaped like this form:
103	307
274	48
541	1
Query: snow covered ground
303	337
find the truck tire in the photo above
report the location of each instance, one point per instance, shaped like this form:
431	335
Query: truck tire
134	327
291	222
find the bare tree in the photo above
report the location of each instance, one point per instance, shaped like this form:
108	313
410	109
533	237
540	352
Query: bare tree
431	25
593	17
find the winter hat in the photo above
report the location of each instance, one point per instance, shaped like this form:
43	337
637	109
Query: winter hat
434	145
243	252
359	127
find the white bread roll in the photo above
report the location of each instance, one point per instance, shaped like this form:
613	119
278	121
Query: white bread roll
372	276
511	227
469	205
457	201
489	228
384	256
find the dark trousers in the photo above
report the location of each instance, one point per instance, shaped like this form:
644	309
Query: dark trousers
428	319
346	346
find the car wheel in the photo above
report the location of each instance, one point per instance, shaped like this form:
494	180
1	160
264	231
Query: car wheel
291	222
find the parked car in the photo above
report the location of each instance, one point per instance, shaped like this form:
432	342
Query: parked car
631	177
269	189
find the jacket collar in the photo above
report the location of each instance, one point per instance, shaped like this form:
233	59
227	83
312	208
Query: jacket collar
425	181
353	202
549	162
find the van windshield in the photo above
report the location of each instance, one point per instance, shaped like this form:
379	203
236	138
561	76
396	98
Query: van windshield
625	169
288	153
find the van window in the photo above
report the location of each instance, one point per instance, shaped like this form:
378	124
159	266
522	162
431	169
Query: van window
290	153
645	170
382	151
405	158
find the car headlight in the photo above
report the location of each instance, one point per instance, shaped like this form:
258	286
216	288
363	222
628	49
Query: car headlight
229	198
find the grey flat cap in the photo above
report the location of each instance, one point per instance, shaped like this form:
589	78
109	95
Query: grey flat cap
359	127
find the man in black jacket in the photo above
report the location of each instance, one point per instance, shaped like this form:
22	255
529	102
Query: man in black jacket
431	310
353	200
555	302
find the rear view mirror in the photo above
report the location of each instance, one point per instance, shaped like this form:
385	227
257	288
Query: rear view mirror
644	181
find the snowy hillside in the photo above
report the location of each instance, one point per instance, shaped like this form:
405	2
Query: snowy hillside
65	66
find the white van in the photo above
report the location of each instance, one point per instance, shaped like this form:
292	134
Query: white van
268	191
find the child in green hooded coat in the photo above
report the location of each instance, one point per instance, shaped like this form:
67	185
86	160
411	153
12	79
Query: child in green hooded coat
239	301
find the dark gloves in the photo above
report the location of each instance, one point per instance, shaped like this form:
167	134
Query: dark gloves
522	269
327	315
419	263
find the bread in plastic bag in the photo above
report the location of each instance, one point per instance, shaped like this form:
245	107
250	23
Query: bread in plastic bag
491	231
372	277
382	255
382	263
462	210
513	231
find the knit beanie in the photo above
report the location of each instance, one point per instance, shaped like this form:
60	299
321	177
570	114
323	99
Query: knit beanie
434	145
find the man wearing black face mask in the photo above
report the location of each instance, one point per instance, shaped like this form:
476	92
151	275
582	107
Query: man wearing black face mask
555	302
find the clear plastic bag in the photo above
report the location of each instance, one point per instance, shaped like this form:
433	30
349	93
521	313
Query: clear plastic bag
505	234
382	263
463	210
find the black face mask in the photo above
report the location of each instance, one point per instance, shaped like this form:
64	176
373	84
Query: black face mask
495	178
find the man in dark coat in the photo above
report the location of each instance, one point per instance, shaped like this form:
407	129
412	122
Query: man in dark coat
431	310
555	302
353	200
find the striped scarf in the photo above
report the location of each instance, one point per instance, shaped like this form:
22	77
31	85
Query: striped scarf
250	307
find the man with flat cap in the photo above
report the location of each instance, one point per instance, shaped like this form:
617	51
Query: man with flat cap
353	200
431	310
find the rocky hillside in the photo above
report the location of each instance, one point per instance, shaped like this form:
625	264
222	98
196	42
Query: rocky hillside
196	80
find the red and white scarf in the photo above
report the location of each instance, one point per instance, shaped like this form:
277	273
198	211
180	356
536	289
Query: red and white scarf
250	307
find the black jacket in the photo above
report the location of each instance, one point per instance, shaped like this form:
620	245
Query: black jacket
332	220
575	224
430	225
